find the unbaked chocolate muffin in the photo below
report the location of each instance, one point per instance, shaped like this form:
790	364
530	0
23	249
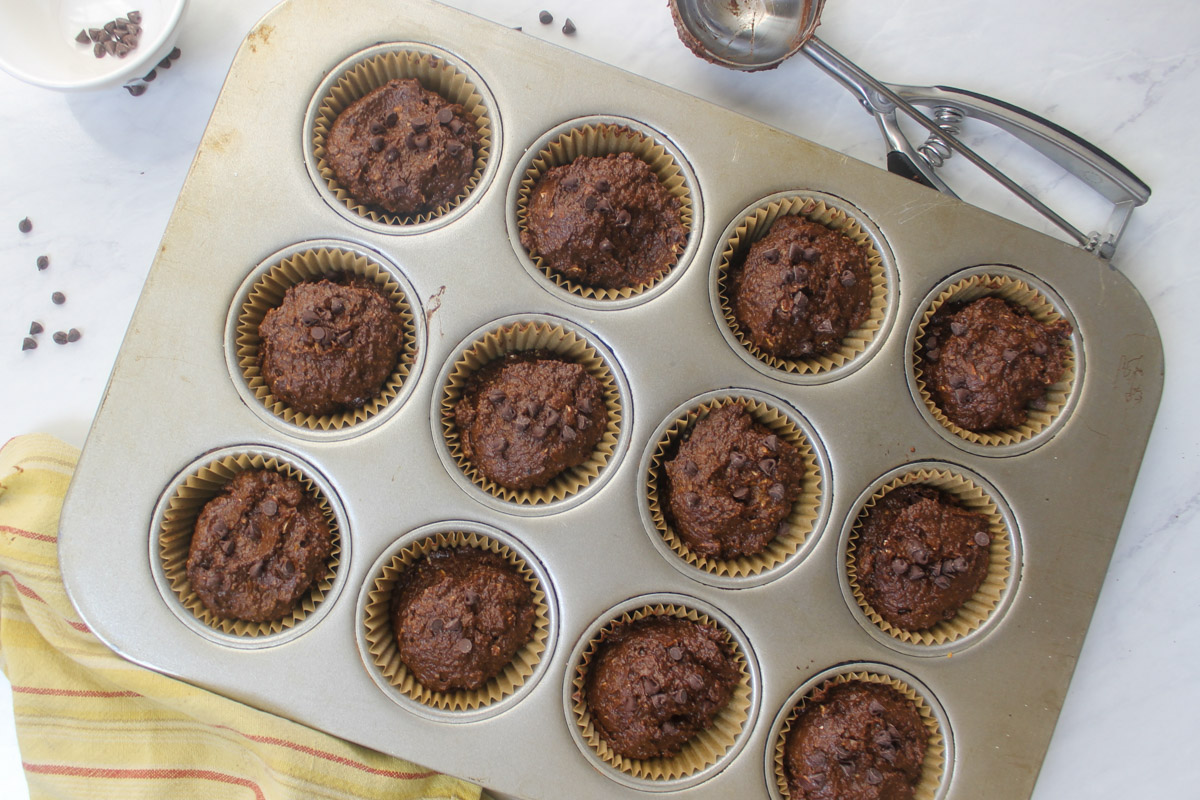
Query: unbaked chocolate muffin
403	148
329	347
731	484
525	418
801	289
986	362
656	682
459	616
604	221
855	741
920	556
258	547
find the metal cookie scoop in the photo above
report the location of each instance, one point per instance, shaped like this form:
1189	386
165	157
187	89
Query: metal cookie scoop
755	35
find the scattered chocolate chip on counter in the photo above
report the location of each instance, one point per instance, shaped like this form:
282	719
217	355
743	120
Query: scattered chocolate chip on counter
25	226
29	344
60	337
43	262
35	328
58	298
74	335
136	89
568	27
545	17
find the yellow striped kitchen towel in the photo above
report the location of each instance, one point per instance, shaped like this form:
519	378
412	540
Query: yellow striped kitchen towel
92	725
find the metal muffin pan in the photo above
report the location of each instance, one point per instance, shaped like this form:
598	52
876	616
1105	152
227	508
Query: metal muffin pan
171	399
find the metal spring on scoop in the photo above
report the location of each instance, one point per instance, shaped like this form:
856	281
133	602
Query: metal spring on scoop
935	150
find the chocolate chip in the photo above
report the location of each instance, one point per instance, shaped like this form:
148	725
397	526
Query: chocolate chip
445	115
603	185
848	278
962	396
496	396
392	155
691	500
82	37
603	205
741	493
137	89
920	555
772	443
392	119
694	682
309	317
508	413
95	34
270	507
376	127
437	626
942	582
874	776
175	52
606	246
795	253
74	335
472	597
317	333
649	685
776	492
798	274
680	697
552	417
228	546
582	422
43	262
164	64
570	183
933	355
956	381
589	202
337	305
136	18
916	573
456	126
675	652
982	539
1040	348
811	254
35	328
825	326
800	299
737	460
936	569
257	570
623	218
960	564
455	626
876	708
767	465
58	298
690	469
25	226
455	147
464	646
568	27
668	728
771	255
568	434
538	431
931	343
419	125
1010	355
545	17
377	144
899	566
958	328
29	343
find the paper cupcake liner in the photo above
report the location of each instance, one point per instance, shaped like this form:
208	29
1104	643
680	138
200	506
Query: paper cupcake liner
602	139
934	766
381	639
755	226
702	750
805	510
179	522
987	597
518	337
267	293
436	75
1041	309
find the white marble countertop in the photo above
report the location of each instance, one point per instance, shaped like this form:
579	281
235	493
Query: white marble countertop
98	174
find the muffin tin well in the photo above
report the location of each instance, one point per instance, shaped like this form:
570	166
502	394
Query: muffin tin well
181	397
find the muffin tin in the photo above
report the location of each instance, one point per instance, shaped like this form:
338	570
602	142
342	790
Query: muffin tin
179	399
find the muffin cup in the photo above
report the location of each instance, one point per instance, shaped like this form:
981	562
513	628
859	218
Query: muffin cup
834	215
990	594
705	748
933	773
267	292
518	336
805	511
600	138
363	74
177	522
1018	292
381	641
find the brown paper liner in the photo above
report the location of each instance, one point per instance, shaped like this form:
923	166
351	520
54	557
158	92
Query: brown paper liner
804	512
754	227
267	293
1040	308
381	640
179	522
987	597
517	337
705	748
602	140
436	75
934	765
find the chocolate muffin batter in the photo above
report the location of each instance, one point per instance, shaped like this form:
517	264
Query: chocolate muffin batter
604	221
459	616
656	682
258	547
920	556
525	418
731	484
329	346
986	362
403	148
801	289
855	741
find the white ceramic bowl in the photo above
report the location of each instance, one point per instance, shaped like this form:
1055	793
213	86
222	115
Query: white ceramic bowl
37	41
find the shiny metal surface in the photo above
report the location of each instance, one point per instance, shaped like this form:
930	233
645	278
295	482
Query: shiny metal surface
172	398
